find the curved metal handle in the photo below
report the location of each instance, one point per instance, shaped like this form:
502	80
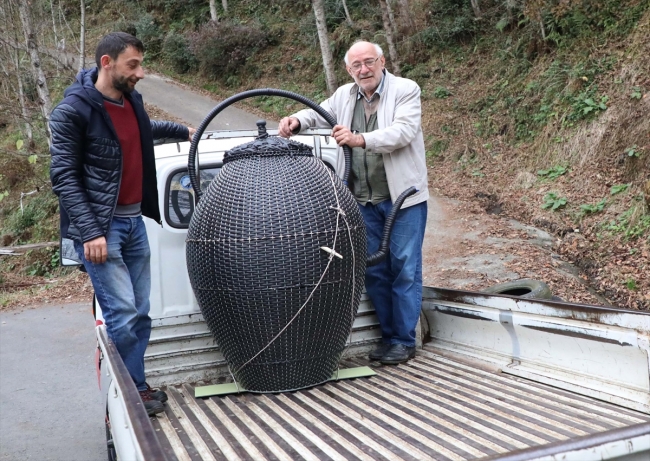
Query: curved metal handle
381	254
192	160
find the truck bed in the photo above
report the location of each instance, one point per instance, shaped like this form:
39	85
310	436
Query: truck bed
435	407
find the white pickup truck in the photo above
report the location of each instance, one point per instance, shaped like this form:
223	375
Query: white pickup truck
496	377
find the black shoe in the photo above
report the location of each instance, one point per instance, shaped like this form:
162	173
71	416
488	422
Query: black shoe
378	353
152	405
398	353
157	394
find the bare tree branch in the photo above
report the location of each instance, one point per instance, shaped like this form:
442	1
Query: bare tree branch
82	37
326	51
389	29
347	12
39	75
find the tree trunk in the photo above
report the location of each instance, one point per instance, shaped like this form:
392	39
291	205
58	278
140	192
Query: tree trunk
21	97
39	75
405	15
388	27
213	11
82	37
224	5
56	37
391	17
347	12
476	8
326	51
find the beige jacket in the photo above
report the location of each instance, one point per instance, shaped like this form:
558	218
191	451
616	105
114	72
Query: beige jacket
399	136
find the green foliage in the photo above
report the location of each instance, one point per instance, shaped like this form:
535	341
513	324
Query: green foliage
176	53
637	93
588	18
633	151
223	48
631	284
633	223
553	201
586	105
419	72
43	263
3	195
450	22
32	158
151	34
31	222
438	147
618	188
588	209
441	92
19	144
553	173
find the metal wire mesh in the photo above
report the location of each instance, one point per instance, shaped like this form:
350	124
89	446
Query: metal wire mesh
280	307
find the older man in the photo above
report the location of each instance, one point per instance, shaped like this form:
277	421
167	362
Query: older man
379	118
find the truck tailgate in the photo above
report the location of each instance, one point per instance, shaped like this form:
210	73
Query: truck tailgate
434	407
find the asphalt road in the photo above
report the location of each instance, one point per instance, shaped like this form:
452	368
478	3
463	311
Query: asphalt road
193	107
50	404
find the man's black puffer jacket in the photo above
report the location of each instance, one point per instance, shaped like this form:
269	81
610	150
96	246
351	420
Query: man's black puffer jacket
86	164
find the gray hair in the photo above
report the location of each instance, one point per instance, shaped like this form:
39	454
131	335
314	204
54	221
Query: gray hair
377	49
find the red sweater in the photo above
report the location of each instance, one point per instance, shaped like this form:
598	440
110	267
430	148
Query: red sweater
128	132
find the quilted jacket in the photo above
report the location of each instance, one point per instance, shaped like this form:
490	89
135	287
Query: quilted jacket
86	167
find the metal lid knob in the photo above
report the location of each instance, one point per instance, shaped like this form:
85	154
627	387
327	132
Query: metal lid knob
261	129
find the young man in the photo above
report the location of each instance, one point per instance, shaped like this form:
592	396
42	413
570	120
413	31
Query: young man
103	171
379	118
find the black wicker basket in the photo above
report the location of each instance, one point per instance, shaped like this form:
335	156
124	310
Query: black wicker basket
279	304
276	254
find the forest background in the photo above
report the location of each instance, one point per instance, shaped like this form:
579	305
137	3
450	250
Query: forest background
533	109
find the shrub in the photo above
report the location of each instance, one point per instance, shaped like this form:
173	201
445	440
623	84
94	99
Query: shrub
176	52
126	26
223	48
150	33
451	22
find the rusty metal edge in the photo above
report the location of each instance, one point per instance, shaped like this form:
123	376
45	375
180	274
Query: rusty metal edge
577	443
140	422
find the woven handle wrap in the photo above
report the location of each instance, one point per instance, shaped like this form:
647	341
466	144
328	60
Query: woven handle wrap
192	160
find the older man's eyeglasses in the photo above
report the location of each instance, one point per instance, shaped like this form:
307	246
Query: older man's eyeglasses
369	63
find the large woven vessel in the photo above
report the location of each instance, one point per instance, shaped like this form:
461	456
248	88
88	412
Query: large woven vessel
276	254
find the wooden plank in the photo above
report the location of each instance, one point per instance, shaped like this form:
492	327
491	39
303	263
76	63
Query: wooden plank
234	388
30	246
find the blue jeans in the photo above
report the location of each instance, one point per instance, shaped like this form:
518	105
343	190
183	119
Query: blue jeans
395	284
122	285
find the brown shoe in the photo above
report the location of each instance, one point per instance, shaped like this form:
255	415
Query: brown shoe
152	405
157	394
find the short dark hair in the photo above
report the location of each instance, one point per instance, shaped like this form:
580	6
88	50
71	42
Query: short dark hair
114	44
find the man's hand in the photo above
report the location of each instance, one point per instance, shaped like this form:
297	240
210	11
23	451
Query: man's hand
191	132
96	250
287	126
344	136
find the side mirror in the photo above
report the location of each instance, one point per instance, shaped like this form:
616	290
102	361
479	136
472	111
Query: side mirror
182	203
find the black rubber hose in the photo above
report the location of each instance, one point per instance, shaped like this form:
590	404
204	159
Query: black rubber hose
192	160
379	256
